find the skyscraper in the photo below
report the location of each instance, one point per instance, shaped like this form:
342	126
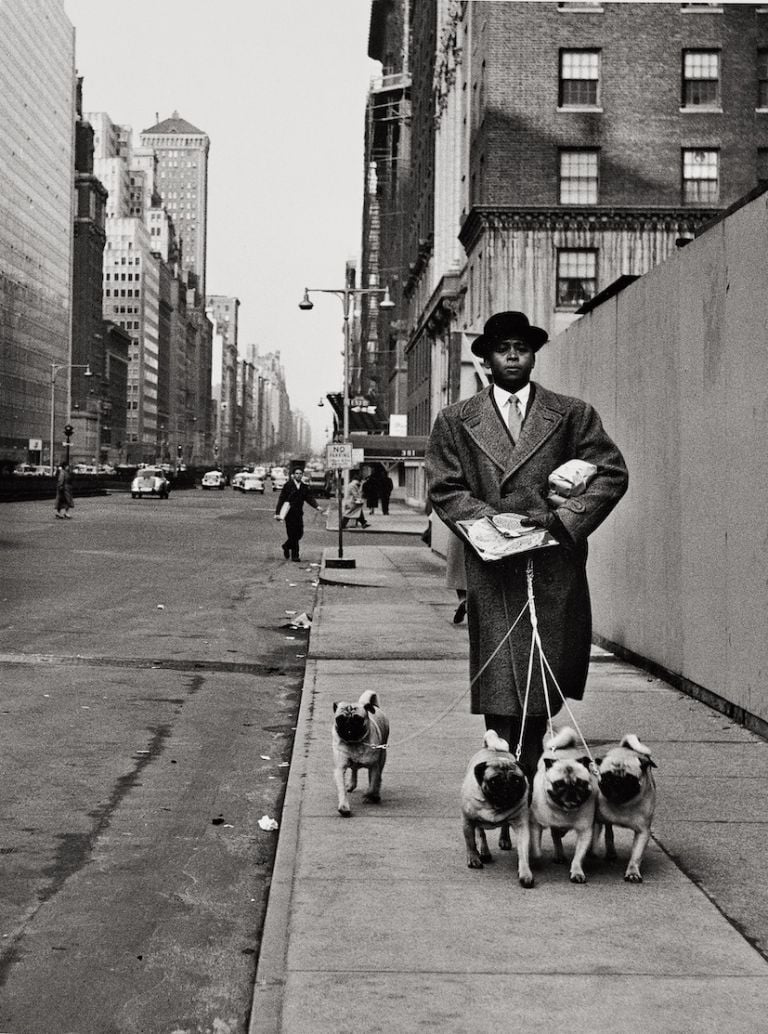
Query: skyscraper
37	86
182	181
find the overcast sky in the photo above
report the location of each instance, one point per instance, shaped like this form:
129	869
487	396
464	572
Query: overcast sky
279	86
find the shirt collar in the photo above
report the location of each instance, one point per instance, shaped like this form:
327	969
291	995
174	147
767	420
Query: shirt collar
502	396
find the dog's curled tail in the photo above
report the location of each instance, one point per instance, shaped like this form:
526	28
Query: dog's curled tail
492	741
565	738
369	700
634	743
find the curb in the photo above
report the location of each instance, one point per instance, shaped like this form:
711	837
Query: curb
267	1002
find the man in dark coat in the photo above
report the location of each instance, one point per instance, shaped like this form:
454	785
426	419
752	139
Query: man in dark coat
294	493
493	453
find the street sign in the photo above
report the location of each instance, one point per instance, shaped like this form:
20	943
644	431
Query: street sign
338	456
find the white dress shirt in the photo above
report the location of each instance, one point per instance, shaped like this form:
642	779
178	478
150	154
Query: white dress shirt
502	397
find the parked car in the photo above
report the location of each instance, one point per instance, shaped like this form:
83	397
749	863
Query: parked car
150	481
214	479
30	470
260	472
278	480
317	482
237	477
248	483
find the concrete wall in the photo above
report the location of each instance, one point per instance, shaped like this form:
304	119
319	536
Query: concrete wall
677	366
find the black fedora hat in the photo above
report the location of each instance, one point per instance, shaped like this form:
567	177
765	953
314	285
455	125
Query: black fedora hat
509	324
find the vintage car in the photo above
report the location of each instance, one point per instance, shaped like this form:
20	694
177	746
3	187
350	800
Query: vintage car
248	483
150	481
214	479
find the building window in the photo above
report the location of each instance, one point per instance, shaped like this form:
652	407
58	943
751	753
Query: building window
762	165
578	177
701	79
701	176
762	77
579	78
576	277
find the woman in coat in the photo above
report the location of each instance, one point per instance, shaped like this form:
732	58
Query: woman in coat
64	500
353	505
493	453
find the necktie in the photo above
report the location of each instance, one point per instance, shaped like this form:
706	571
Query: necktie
514	417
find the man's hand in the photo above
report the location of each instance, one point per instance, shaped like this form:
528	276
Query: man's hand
277	516
538	519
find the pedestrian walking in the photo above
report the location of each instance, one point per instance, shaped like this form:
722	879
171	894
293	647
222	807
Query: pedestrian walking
380	486
64	498
385	491
353	504
493	453
290	508
370	492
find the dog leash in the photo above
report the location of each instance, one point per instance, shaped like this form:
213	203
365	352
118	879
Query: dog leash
543	662
457	701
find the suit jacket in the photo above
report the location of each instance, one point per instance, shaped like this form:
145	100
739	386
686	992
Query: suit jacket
295	495
475	470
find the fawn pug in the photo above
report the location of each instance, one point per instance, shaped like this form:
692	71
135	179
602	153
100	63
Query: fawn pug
360	735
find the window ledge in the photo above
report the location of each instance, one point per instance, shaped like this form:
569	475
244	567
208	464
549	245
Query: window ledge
761	111
700	109
582	108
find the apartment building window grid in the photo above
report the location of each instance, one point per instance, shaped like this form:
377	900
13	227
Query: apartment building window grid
578	177
701	175
576	276
762	77
701	79
579	85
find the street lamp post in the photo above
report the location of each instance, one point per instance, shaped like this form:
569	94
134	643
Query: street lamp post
345	294
55	368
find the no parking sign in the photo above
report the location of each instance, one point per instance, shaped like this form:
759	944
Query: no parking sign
338	456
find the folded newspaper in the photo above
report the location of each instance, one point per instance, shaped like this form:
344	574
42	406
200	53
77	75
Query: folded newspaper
502	535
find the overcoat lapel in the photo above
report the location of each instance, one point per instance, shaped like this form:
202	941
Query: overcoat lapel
484	425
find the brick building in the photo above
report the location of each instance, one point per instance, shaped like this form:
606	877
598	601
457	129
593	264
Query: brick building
555	148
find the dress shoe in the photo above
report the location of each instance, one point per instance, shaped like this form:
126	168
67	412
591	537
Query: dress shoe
461	611
286	553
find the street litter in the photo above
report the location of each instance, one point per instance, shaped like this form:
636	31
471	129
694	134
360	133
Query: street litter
290	636
265	757
265	822
284	764
302	621
290	613
161	606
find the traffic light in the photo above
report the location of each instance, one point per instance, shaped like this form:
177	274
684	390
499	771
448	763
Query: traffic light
179	451
69	430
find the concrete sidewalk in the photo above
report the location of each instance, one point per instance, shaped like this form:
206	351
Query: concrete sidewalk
375	924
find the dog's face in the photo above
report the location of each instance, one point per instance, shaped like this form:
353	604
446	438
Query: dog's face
568	782
351	721
623	775
502	782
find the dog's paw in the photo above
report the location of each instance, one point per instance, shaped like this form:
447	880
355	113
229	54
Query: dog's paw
474	861
345	811
372	798
578	877
526	882
632	877
505	843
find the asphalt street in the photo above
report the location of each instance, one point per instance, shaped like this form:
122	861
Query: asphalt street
150	687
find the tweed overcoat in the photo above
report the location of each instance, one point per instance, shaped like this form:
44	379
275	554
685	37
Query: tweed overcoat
475	469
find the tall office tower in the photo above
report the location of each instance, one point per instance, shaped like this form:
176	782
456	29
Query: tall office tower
132	301
111	152
91	409
182	181
37	87
223	310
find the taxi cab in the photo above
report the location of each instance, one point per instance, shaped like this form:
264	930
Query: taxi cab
150	481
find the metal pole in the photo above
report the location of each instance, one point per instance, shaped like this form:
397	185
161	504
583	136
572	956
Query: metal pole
53	403
344	477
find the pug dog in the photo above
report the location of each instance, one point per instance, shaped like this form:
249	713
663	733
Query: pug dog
360	735
495	794
564	797
626	797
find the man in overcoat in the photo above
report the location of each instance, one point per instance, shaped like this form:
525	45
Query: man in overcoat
493	453
295	493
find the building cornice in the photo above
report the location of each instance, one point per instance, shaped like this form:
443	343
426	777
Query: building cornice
440	310
593	219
